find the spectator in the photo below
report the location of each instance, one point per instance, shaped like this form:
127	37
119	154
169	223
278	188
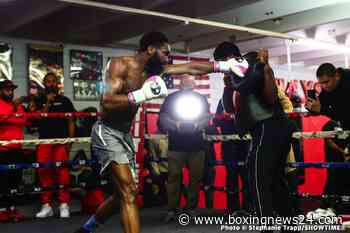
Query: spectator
184	115
11	128
335	89
54	128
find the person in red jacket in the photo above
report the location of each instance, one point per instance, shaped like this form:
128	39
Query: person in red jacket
11	128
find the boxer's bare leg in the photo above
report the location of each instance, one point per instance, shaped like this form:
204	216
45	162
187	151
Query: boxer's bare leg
122	177
107	208
124	195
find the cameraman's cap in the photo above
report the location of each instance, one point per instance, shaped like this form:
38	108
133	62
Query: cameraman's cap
7	84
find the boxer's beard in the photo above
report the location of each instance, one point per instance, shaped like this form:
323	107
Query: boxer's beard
154	65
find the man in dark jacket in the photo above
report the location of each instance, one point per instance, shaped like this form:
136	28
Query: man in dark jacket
335	85
184	115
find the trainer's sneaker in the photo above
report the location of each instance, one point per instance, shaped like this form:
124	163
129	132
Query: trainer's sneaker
45	212
64	210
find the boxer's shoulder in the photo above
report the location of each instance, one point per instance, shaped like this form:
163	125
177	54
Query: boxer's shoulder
119	63
126	64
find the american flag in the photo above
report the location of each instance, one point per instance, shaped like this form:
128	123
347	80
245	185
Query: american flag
169	81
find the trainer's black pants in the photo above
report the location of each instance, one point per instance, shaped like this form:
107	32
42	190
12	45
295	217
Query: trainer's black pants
266	167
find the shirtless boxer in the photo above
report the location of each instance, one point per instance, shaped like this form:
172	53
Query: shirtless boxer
129	81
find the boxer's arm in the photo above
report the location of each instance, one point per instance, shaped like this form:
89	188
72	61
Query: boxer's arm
193	68
112	98
235	66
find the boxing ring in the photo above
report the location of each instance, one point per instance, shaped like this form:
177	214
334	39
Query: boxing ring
150	218
309	190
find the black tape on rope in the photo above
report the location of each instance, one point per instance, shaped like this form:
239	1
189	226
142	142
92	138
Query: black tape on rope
71	163
307	196
320	165
55	188
293	165
231	163
57	164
